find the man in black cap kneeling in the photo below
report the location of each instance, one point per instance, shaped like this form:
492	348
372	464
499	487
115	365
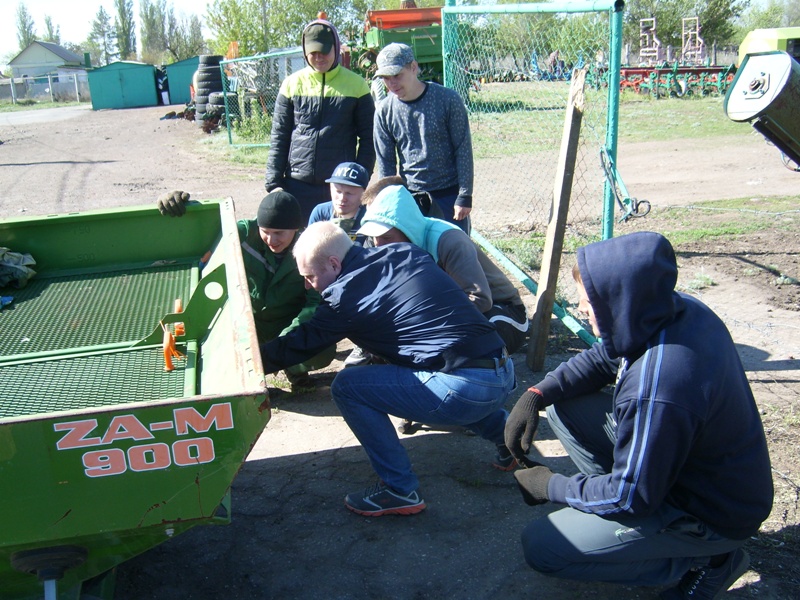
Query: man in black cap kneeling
278	293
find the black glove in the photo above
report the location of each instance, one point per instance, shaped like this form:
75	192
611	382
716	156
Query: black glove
522	423
533	482
173	203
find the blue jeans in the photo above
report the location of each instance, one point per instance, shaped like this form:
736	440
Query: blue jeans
446	204
366	396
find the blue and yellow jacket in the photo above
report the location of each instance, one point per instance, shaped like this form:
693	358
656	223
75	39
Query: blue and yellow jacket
320	120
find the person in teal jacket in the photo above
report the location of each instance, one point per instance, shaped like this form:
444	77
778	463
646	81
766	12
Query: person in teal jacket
323	116
393	216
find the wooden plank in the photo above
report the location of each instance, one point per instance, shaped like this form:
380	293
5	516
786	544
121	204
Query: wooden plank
551	259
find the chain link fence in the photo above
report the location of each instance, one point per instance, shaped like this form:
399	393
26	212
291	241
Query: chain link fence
514	71
47	88
251	87
513	66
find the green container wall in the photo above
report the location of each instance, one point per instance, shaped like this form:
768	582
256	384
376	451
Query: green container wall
179	77
123	85
425	41
52	496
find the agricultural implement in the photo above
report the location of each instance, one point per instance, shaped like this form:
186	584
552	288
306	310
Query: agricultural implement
419	28
677	80
766	94
123	421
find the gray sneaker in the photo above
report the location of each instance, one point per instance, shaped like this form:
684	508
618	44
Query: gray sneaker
358	358
382	500
709	583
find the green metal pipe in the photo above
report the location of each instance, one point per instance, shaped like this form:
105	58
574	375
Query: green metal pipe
448	43
612	128
569	321
44	355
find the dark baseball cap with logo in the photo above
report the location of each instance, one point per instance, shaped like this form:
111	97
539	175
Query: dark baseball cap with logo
350	173
318	37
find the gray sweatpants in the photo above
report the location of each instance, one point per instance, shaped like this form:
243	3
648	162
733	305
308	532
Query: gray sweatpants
652	550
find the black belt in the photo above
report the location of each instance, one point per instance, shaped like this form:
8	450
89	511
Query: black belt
486	363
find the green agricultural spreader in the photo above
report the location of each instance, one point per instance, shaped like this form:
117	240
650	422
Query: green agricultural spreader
104	451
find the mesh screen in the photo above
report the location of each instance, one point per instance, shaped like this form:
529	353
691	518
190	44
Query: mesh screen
514	73
56	313
96	380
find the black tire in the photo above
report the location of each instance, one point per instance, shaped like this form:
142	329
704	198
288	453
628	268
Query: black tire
210	59
218	98
214	69
209	78
215	110
206	89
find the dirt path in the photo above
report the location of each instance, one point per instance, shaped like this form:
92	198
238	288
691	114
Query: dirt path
290	535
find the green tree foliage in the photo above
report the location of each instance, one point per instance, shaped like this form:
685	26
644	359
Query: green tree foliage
261	25
26	33
167	38
102	39
125	29
184	37
153	28
776	13
51	33
242	21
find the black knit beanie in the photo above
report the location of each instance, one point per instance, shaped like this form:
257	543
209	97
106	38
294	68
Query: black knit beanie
279	210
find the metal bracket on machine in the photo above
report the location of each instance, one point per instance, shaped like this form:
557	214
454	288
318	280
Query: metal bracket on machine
201	310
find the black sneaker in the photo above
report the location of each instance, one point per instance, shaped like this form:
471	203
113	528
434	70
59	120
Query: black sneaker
503	461
707	583
381	500
358	358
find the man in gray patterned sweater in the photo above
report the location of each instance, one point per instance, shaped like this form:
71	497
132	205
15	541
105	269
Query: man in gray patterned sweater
426	126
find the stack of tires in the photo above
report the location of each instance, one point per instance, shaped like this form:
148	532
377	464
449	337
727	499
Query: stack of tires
209	81
216	105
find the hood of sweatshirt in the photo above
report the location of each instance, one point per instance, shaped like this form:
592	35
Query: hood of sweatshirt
337	45
630	282
394	206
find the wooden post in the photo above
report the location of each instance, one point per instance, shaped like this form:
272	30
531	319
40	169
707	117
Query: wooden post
551	259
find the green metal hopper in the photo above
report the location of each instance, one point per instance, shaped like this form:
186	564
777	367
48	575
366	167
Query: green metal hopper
103	453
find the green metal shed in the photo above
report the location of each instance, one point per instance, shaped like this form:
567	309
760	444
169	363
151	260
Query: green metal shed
123	84
179	78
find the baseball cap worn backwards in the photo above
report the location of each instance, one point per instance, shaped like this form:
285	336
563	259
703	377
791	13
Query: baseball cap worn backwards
393	58
350	173
318	37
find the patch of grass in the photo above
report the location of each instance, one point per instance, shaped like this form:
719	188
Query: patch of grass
724	218
700	281
217	144
29	104
649	119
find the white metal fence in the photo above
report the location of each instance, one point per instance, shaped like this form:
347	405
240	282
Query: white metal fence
47	88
